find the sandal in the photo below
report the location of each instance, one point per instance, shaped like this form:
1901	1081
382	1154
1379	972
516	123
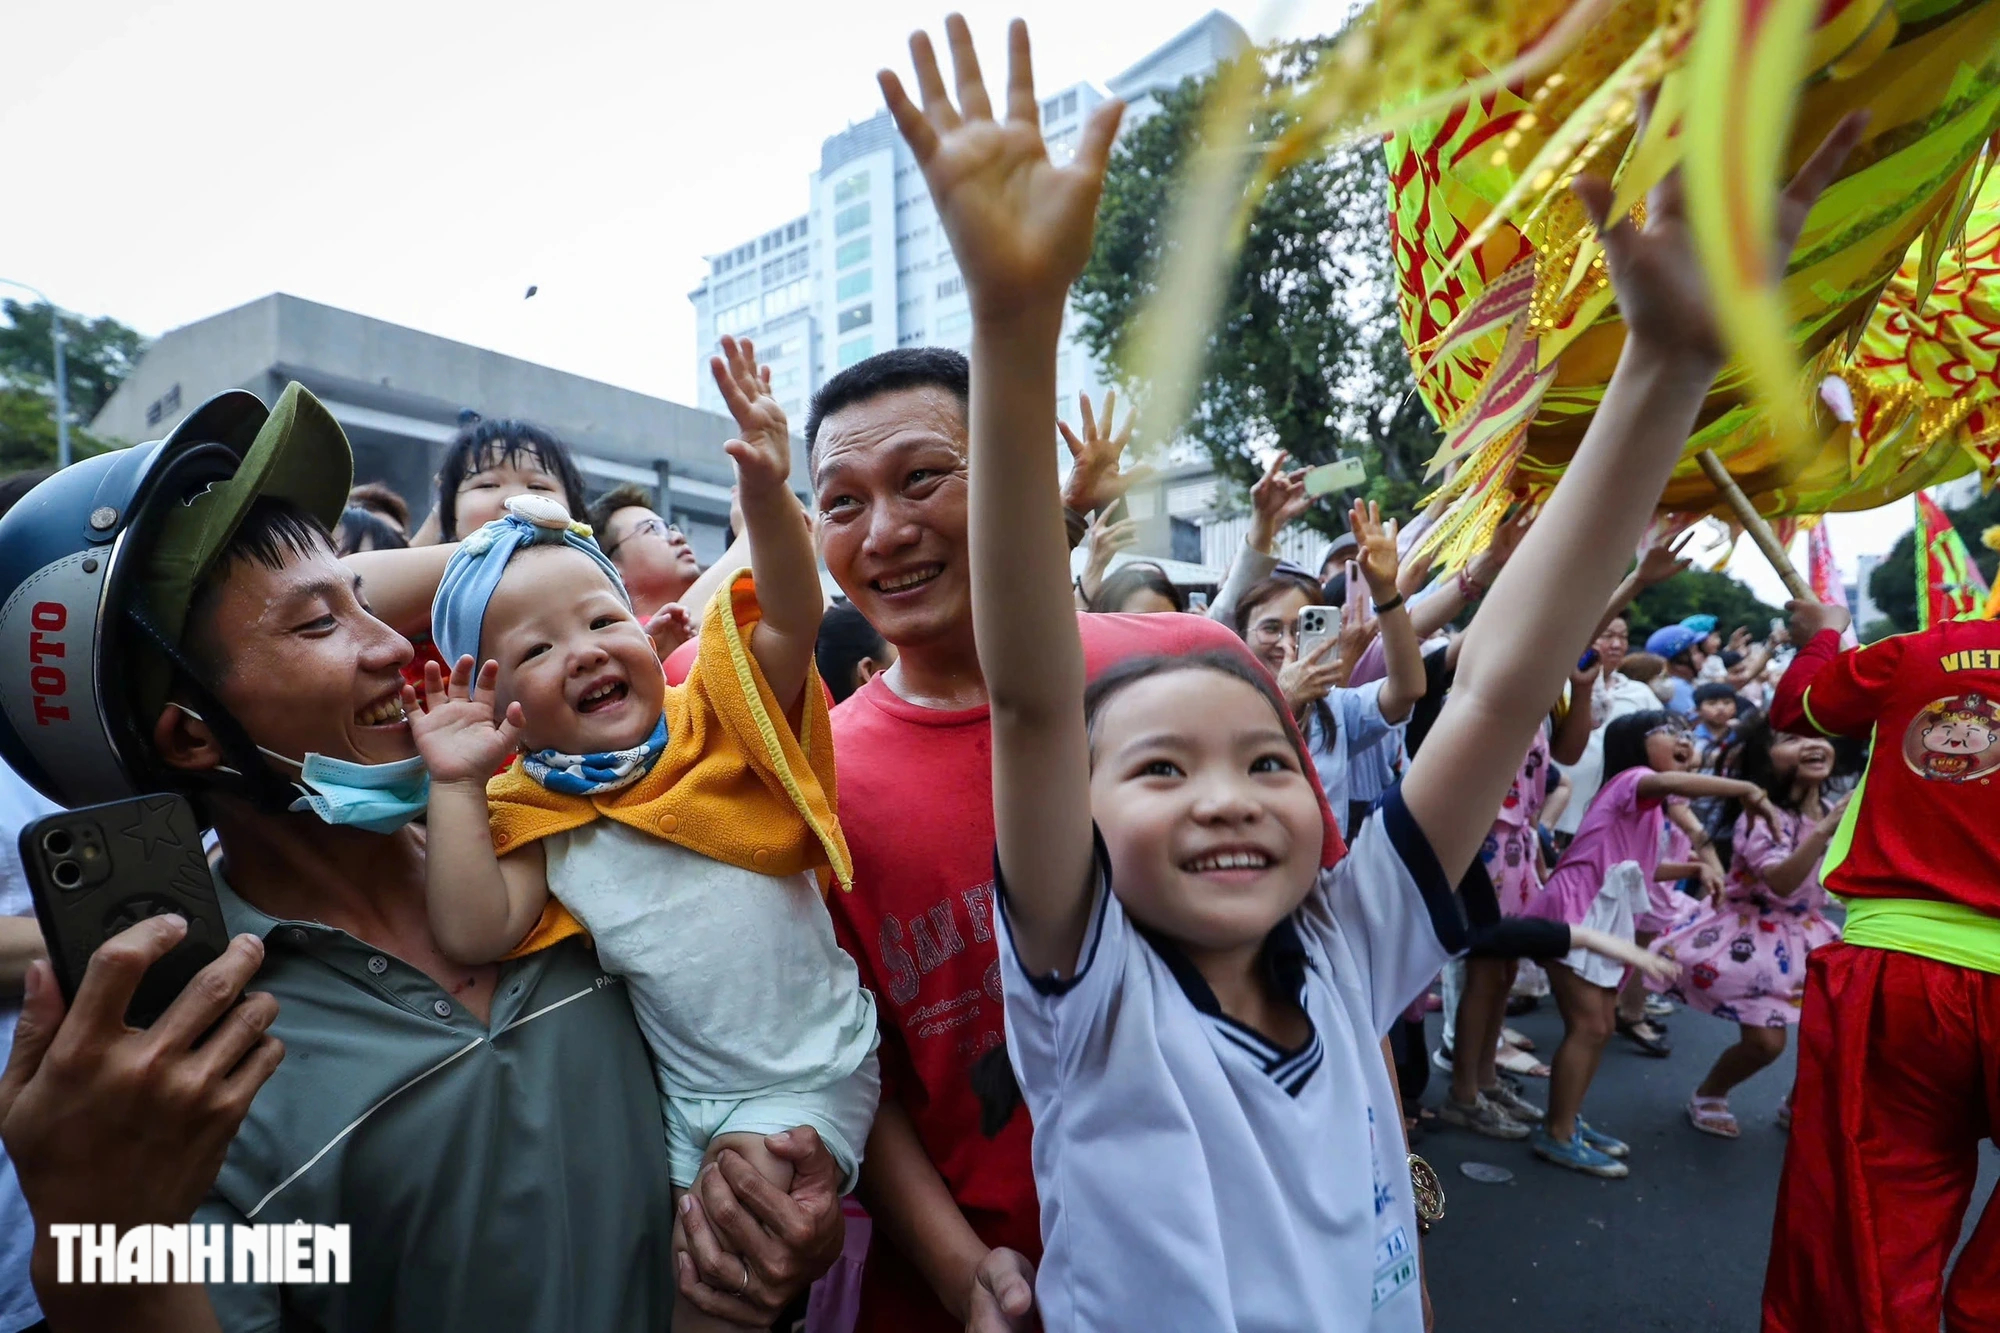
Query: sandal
1711	1115
1517	1040
1520	1062
1647	1037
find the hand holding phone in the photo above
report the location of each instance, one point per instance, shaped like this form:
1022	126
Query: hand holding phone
97	871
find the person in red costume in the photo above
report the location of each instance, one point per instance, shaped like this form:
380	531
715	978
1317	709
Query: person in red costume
1899	1051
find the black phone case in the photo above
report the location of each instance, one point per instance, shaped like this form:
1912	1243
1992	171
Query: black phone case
98	870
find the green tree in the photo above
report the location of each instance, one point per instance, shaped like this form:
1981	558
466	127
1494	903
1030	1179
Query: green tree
98	355
1307	355
1700	592
1893	585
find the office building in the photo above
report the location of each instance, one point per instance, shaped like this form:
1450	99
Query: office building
867	267
397	394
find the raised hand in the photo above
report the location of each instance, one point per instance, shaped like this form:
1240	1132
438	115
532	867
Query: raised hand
1106	540
671	626
454	727
1277	498
762	450
1095	480
1809	618
1486	566
1019	225
1665	561
1358	624
1377	542
1662	288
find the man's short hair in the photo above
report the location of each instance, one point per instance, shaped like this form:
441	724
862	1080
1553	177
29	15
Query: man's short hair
1711	690
379	497
625	495
889	372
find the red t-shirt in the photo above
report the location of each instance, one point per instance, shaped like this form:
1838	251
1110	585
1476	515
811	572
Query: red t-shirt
916	804
1928	825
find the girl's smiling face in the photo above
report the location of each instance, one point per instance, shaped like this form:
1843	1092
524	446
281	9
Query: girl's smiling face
1214	831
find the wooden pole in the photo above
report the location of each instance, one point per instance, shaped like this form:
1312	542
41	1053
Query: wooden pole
1753	523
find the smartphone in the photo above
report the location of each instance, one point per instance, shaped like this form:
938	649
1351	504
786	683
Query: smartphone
1342	474
98	870
1317	624
1198	603
1588	660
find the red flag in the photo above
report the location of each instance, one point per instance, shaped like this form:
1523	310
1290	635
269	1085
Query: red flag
1824	574
1948	583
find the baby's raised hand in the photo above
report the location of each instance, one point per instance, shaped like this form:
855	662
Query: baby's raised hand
763	450
454	725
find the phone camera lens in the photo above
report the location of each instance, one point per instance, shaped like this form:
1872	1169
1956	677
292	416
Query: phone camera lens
57	842
67	874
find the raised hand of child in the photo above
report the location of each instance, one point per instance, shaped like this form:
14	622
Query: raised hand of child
762	451
1106	540
1663	293
1358	623
1019	225
1758	805
1377	540
454	727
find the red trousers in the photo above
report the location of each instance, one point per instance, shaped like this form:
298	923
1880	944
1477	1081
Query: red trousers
1899	1080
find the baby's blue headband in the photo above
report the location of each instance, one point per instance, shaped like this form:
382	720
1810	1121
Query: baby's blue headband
481	559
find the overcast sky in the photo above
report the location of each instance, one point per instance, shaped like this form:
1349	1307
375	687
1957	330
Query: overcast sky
424	162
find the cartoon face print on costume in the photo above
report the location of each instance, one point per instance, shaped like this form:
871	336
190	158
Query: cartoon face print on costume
1954	739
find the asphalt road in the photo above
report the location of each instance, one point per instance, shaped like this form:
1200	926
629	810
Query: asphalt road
1678	1245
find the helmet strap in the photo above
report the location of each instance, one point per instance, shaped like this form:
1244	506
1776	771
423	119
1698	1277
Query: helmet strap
246	773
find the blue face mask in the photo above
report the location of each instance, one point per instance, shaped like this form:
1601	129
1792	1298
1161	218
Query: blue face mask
378	798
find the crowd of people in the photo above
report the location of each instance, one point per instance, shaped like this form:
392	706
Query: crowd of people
619	943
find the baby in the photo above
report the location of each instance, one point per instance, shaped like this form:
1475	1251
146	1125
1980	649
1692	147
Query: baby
679	826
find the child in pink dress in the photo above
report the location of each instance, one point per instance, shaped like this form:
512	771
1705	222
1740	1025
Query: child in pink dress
1744	959
1601	883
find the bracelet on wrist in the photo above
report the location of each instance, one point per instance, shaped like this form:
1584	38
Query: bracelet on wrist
1383	608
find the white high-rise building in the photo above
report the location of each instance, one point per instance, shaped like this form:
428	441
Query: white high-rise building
868	267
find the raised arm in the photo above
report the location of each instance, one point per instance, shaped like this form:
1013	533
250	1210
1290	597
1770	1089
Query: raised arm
1694	786
1401	651
1020	228
781	550
1277	498
401	585
1656	566
1544	607
480	906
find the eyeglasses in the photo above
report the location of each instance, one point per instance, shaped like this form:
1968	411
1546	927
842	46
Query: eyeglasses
1274	631
645	527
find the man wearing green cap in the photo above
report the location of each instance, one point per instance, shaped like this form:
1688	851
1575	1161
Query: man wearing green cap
490	1134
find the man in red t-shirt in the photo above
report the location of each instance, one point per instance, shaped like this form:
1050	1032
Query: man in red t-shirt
1899	1048
887	441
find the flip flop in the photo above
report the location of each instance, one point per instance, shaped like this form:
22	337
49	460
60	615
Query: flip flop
1517	1040
1520	1062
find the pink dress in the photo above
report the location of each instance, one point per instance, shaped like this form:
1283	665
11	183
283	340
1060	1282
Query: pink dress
1618	827
1510	850
1668	908
1745	962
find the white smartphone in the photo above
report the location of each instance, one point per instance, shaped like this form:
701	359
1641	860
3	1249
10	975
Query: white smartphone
1198	603
1317	624
1342	474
